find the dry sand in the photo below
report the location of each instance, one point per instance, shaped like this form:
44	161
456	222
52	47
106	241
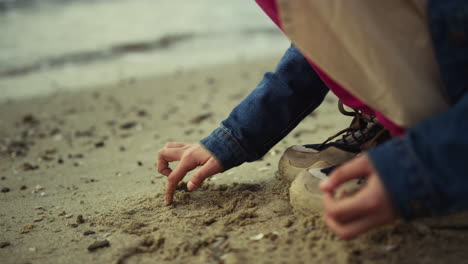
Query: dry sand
95	179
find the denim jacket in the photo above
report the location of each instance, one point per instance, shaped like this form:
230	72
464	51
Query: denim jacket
422	171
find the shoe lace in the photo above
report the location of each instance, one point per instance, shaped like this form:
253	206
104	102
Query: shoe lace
357	129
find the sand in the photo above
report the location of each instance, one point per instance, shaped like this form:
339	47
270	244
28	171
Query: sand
79	168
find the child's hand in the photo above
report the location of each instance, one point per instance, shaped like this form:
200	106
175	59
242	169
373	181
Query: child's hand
190	156
368	208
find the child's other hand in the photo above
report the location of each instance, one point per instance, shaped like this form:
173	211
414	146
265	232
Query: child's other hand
368	208
190	157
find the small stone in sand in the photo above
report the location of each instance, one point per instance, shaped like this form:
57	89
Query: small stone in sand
88	232
98	244
26	228
80	219
99	144
32	249
3	178
28	166
43	194
128	125
4	244
122	148
140	163
198	119
39	188
5	189
68	216
23	187
39	219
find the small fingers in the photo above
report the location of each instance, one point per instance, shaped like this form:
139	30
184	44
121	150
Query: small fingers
175	177
175	145
167	155
354	169
210	168
350	208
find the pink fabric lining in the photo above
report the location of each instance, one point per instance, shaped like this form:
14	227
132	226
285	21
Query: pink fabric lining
271	9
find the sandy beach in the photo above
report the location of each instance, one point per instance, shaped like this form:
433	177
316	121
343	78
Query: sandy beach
78	168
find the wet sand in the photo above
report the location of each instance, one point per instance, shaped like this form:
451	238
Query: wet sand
79	167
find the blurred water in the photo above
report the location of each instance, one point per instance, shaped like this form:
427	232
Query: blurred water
69	44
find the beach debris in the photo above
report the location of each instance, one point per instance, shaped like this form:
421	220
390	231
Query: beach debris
5	189
88	232
80	219
99	144
75	156
390	248
16	148
142	113
98	244
271	235
128	125
209	221
200	118
274	152
28	166
85	133
23	187
39	219
26	228
257	237
4	244
31	120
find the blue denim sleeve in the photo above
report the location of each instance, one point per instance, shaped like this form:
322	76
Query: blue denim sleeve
280	101
425	172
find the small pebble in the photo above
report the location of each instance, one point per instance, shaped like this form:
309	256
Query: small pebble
68	216
98	244
5	189
99	144
39	188
32	249
390	248
140	163
3	178
80	219
4	244
74	225
88	232
23	187
43	194
26	228
39	219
